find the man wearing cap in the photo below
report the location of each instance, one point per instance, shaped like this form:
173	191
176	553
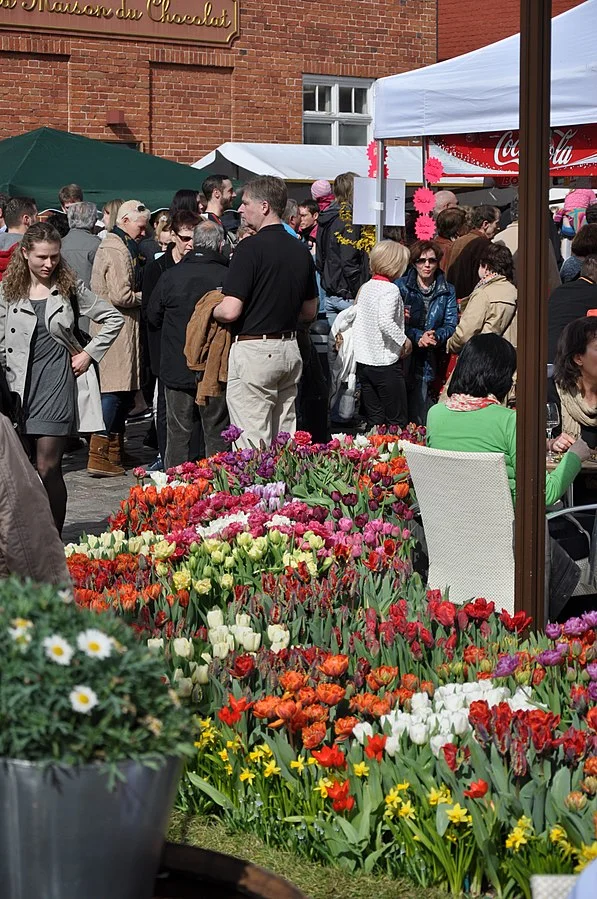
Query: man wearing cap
270	287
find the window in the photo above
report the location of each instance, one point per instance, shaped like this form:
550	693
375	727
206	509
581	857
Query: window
336	111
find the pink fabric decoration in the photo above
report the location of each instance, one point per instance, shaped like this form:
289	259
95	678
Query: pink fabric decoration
424	199
372	156
434	170
424	227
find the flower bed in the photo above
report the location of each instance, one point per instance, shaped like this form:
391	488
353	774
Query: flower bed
342	711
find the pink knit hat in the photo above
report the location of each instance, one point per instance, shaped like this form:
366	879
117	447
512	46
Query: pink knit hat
321	188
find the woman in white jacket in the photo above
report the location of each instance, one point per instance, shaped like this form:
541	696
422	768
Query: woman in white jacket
379	337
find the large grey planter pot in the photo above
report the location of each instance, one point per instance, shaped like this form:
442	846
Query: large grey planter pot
64	835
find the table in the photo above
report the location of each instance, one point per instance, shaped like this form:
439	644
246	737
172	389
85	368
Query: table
190	873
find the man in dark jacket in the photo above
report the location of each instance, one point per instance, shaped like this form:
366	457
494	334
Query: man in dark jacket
170	307
467	250
182	227
343	267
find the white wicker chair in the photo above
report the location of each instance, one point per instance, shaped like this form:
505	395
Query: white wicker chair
552	886
468	518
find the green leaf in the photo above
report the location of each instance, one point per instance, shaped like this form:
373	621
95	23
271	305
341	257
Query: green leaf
214	794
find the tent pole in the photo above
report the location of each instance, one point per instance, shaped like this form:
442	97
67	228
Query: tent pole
380	191
533	290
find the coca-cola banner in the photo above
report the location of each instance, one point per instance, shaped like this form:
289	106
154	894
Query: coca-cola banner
572	151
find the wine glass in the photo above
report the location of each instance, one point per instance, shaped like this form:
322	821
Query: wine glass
552	421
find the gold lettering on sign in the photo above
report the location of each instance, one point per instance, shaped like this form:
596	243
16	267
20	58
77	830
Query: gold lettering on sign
8	4
71	9
158	11
124	13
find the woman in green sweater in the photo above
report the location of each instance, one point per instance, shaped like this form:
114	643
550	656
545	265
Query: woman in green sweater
474	420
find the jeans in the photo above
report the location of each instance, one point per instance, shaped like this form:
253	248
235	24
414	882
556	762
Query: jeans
383	393
185	436
334	305
115	408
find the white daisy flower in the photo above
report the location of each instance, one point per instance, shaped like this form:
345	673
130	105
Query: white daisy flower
58	649
94	643
20	631
82	699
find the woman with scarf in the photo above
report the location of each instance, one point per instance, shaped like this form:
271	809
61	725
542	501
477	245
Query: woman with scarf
116	277
574	390
431	314
474	419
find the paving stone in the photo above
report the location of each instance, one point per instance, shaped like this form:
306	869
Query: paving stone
91	501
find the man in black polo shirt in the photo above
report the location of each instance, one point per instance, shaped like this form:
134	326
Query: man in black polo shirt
270	287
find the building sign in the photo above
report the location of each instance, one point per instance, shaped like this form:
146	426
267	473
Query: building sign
572	151
194	21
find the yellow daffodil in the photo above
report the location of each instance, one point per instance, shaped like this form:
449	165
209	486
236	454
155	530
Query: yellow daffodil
228	770
266	750
323	786
234	745
223	755
458	815
516	838
256	755
245	774
311	760
437	797
407	810
586	854
557	834
360	769
271	768
298	764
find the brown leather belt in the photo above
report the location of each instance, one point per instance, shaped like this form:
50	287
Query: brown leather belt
279	335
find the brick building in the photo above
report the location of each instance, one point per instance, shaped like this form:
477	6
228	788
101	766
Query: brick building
465	25
179	77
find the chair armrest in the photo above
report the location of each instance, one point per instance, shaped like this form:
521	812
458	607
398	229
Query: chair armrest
569	509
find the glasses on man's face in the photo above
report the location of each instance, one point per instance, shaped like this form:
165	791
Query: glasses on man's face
183	237
426	261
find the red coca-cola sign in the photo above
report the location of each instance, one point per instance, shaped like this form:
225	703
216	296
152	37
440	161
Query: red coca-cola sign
572	151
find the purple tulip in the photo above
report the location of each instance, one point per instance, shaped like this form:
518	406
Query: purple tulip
550	658
231	434
574	627
506	666
553	630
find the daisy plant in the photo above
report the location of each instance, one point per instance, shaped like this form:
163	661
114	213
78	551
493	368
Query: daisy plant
77	688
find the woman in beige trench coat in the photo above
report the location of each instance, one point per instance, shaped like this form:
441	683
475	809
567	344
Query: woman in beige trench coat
47	365
115	277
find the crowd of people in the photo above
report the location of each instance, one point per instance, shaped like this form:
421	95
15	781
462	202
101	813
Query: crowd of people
204	315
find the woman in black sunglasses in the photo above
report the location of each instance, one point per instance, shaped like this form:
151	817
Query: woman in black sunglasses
431	317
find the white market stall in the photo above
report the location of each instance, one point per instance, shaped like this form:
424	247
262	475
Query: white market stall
304	163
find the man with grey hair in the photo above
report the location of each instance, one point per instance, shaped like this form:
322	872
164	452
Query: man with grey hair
80	244
291	218
444	199
509	237
193	431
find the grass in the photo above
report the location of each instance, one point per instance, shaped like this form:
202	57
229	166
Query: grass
316	881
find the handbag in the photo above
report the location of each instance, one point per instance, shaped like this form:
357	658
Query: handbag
82	337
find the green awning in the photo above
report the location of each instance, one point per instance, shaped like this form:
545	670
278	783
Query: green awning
37	164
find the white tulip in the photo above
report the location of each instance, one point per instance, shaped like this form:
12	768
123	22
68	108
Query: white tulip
220	650
201	674
460	723
454	702
419	701
362	730
215	618
419	734
392	746
218	634
183	647
155	644
243	620
436	743
184	687
251	642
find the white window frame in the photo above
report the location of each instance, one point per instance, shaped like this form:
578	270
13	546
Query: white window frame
335	118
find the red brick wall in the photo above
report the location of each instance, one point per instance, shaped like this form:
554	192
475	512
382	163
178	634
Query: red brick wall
465	25
181	101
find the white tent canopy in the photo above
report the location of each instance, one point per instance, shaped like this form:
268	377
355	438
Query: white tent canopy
308	162
480	90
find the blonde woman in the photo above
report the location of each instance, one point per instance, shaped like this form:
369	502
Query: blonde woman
380	340
109	213
46	360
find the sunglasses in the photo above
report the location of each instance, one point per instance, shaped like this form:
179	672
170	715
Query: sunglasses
423	261
184	237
